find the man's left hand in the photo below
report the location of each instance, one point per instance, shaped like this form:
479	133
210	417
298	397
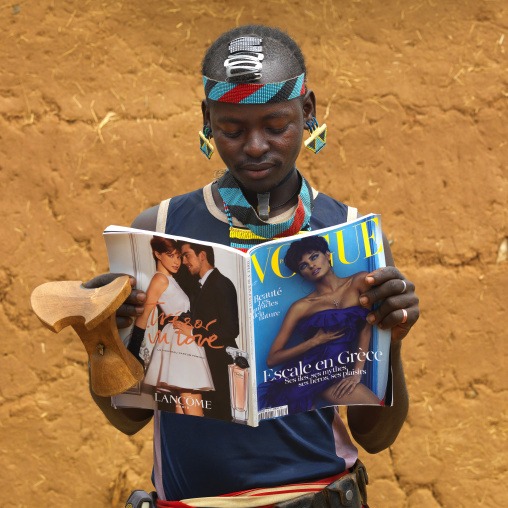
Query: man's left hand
399	309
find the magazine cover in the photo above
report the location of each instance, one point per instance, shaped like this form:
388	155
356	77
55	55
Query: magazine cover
245	337
192	342
313	345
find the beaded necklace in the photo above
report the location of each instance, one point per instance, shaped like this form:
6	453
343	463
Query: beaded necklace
258	231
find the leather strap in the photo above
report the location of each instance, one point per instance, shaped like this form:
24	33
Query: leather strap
350	491
141	499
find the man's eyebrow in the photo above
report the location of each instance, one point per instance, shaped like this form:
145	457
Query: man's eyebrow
276	114
228	119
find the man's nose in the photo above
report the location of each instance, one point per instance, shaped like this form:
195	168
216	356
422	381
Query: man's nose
256	144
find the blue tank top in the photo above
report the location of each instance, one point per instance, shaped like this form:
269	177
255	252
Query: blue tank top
194	457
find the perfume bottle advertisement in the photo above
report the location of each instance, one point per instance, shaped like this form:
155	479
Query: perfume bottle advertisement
314	347
239	385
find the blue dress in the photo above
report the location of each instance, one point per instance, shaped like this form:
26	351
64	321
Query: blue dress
300	395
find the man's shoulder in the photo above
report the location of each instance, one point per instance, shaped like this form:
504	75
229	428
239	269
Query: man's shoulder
325	198
187	206
327	211
147	220
219	280
216	275
192	197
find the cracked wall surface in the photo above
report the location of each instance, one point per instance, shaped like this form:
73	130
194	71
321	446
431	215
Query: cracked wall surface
99	114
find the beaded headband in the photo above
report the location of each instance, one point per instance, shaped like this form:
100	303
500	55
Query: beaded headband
243	69
253	93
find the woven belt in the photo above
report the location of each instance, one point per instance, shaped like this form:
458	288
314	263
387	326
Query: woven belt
350	490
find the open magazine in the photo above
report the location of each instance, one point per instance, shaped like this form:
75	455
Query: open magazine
250	336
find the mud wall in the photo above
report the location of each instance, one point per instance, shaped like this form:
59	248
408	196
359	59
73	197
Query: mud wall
99	113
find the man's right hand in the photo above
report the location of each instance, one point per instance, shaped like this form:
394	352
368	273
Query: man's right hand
133	305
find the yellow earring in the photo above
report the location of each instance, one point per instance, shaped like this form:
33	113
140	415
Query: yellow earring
317	139
204	142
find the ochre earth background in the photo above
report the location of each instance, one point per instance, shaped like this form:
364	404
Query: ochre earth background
99	114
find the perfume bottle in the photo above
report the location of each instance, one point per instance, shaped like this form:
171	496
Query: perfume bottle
239	384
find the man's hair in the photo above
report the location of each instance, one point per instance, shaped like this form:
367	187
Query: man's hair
300	247
207	249
162	245
276	44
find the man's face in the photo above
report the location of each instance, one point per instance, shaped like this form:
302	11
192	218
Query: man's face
192	261
259	143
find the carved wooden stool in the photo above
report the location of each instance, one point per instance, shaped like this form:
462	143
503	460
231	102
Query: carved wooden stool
91	312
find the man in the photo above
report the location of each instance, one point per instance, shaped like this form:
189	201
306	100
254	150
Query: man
215	306
257	107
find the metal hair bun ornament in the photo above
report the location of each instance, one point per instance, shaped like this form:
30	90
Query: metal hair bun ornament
244	61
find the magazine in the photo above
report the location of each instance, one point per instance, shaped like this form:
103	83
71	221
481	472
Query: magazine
247	336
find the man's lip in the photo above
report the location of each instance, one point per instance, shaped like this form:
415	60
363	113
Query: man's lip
257	167
257	172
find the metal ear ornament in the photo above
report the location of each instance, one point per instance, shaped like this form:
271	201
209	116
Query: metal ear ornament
204	142
317	139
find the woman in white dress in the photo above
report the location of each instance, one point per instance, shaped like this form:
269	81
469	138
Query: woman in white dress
178	365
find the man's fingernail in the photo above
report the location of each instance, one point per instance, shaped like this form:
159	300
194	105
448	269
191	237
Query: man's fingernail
140	310
141	297
363	300
371	318
132	280
370	280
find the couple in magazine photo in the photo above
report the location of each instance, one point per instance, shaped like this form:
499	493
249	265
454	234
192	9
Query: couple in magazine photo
188	313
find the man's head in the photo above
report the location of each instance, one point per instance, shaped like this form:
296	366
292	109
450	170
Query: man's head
259	142
197	258
283	59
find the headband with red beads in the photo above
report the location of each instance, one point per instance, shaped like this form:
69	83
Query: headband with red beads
243	66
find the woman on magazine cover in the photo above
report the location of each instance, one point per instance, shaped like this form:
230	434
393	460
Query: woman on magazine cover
175	367
332	324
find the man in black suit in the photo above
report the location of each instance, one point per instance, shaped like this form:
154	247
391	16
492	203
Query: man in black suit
214	313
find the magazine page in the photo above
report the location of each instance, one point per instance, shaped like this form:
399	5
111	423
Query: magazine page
314	347
193	335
